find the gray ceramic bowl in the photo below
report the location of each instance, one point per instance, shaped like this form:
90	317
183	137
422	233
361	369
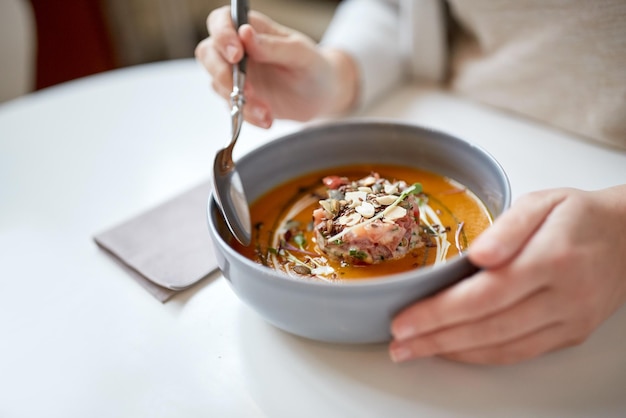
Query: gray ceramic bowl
360	311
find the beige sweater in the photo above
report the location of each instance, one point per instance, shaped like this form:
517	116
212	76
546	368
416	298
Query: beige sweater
561	62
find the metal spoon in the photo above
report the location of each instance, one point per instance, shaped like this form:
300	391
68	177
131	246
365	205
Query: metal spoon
227	188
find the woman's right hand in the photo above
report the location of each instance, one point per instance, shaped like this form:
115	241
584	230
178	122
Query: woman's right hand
288	76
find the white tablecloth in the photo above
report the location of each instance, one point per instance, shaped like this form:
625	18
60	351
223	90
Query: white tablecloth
79	338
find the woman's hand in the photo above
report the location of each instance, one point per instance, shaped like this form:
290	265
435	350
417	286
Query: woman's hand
554	268
288	75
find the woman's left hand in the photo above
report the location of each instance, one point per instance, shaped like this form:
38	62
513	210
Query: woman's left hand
553	269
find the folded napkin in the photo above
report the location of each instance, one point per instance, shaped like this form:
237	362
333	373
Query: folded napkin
166	249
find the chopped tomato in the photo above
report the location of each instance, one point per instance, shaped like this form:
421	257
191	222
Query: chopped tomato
334	182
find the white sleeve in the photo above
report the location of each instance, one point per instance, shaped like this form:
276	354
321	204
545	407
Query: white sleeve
368	31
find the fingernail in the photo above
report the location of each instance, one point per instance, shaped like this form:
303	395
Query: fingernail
231	53
484	241
267	123
403	332
399	354
259	113
485	244
255	37
261	116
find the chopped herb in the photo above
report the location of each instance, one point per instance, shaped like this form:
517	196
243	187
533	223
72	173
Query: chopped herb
360	255
300	240
292	224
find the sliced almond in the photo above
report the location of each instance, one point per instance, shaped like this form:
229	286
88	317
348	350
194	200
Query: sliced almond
386	200
350	220
368	181
396	212
390	188
366	209
356	196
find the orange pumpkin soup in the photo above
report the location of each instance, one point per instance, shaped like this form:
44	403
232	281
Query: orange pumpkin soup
314	226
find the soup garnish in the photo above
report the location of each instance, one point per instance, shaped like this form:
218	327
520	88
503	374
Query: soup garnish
363	222
369	220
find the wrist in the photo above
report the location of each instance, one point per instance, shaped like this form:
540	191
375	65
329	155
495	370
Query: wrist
345	81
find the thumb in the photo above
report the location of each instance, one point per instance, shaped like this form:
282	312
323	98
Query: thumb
511	231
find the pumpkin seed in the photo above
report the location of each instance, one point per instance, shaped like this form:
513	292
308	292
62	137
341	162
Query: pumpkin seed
300	269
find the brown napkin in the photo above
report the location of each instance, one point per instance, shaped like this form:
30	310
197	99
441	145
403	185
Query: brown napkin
167	248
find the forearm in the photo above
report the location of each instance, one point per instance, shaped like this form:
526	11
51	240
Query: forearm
346	81
367	32
615	200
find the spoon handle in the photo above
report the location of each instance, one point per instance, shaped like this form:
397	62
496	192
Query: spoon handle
239	15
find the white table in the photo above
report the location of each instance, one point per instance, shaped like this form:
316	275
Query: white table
79	338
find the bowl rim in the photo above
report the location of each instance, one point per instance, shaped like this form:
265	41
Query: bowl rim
391	280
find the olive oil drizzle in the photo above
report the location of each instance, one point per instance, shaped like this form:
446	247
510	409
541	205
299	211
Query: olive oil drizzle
452	215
